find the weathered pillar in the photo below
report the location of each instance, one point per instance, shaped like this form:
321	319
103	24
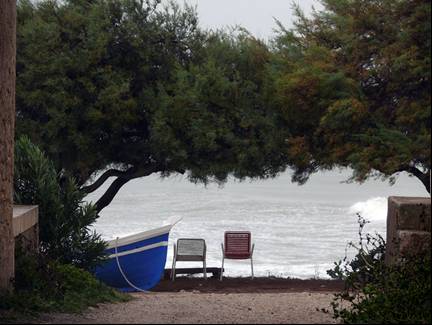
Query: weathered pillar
26	227
408	226
7	126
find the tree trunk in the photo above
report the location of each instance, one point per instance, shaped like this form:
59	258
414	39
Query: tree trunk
425	178
7	125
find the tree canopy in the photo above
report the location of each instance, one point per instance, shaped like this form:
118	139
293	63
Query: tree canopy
353	88
127	88
130	88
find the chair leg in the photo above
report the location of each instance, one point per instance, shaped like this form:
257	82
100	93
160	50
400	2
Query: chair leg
173	271
174	262
252	268
222	268
205	269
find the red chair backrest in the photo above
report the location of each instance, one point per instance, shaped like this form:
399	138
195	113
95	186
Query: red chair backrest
237	244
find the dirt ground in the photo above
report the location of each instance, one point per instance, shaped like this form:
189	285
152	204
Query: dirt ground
196	301
247	285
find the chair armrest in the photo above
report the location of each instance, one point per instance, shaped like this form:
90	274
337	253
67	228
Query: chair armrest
223	251
175	251
252	250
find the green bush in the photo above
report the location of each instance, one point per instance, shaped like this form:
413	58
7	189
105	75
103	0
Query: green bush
55	277
378	293
44	285
369	257
64	219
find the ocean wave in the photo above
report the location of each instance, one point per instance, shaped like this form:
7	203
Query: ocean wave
374	209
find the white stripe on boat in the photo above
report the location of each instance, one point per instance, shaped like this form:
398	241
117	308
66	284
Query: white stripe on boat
140	249
143	235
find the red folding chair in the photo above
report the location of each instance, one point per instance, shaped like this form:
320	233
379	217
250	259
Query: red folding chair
237	247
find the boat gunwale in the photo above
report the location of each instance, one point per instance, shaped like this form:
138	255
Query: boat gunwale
119	242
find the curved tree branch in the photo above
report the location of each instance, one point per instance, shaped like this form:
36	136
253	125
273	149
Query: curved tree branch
122	179
101	180
423	177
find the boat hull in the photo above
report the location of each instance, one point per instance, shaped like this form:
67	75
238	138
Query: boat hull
137	261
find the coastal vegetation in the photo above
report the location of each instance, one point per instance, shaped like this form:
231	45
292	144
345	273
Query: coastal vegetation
46	285
353	87
64	218
377	292
127	88
57	276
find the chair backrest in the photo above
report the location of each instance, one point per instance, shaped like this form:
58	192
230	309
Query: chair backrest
191	249
237	244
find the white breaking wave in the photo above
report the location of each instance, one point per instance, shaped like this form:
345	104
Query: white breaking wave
297	231
374	209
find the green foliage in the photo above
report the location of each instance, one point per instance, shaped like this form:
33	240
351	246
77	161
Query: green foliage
86	99
135	88
44	285
370	255
64	220
353	87
213	120
128	88
77	97
377	293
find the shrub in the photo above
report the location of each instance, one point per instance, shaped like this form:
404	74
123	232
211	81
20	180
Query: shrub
379	293
64	219
370	256
44	285
55	277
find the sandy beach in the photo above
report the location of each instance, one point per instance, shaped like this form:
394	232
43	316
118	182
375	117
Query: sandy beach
195	301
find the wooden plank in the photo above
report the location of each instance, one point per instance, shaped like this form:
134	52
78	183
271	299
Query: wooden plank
195	270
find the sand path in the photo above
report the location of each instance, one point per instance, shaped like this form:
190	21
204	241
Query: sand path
193	307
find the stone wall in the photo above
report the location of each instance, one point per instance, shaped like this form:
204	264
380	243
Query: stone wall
408	226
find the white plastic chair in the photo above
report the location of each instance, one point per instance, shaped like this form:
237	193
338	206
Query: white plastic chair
189	250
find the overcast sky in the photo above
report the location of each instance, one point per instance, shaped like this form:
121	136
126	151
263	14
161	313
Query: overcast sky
254	15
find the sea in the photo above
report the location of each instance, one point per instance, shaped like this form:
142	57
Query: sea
299	231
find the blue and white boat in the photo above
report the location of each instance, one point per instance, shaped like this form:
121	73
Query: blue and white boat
136	262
